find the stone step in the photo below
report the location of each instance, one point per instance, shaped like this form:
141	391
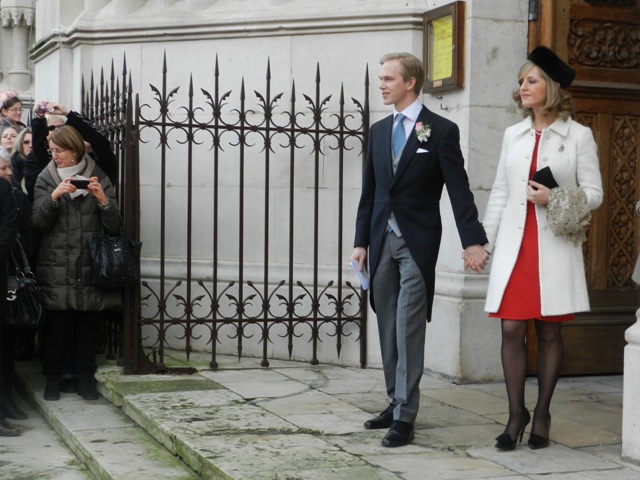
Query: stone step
246	422
296	421
101	435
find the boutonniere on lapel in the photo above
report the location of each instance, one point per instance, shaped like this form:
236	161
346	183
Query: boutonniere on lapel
423	132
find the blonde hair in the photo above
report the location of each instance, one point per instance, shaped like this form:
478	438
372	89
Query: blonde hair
19	147
410	67
558	102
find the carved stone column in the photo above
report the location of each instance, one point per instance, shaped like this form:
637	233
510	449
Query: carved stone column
631	395
18	15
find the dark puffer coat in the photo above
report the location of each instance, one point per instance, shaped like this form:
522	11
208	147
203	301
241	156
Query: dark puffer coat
64	265
8	229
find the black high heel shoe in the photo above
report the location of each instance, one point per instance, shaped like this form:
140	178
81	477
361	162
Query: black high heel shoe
505	443
536	441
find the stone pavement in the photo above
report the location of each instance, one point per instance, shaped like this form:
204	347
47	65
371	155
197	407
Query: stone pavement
297	421
38	453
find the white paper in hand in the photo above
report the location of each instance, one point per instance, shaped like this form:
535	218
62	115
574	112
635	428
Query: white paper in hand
363	276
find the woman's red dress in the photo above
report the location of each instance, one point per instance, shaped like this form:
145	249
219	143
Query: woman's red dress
521	299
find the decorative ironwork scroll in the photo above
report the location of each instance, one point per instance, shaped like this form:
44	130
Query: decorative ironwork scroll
225	148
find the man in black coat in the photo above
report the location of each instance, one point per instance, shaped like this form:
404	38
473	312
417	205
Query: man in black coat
411	156
8	229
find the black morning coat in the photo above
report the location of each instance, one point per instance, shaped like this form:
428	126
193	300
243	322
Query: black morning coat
413	194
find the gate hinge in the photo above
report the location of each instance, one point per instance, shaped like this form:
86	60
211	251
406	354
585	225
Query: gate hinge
534	10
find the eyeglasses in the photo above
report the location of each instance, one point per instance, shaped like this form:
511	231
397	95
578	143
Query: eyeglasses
51	128
15	109
56	152
26	142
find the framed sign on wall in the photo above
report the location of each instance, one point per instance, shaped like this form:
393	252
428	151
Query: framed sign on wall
443	49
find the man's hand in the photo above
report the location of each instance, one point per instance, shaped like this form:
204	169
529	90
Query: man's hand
475	257
359	254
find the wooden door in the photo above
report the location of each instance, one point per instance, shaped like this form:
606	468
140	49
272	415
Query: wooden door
600	39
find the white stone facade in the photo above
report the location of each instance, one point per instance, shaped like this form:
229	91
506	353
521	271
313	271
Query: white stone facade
343	38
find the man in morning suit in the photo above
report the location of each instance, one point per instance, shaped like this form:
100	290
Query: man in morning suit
411	155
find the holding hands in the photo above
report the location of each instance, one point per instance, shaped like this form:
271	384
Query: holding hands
475	257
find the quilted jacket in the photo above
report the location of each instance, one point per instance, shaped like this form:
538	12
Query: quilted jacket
64	265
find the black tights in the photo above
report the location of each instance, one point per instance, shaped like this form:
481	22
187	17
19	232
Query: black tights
514	364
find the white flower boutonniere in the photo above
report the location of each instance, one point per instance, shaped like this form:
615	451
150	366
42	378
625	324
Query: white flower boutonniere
423	132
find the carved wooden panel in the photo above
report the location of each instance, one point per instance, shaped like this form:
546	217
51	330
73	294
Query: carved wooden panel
622	193
598	43
602	41
588	120
620	158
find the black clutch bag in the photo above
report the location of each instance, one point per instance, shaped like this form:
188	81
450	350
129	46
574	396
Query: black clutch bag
545	177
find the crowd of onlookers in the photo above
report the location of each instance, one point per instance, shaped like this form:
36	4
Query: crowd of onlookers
51	215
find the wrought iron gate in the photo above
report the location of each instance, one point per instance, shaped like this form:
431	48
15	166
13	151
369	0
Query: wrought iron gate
256	172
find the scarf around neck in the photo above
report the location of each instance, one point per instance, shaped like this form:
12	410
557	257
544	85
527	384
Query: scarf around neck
73	171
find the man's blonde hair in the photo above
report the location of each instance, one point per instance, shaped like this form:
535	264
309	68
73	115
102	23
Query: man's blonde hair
410	67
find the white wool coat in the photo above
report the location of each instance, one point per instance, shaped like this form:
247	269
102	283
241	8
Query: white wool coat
569	149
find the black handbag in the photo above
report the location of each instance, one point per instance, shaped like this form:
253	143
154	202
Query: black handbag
115	260
545	177
24	308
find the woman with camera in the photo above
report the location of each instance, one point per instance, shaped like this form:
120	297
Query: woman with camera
47	116
73	200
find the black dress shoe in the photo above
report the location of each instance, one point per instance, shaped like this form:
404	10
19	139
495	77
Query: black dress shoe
6	429
384	420
400	434
86	389
52	390
12	411
68	385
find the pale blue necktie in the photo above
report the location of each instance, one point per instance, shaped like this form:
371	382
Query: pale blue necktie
399	136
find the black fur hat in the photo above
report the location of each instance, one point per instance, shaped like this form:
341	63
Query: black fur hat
552	66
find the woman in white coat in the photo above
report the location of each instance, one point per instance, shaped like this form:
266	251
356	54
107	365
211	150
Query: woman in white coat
537	274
